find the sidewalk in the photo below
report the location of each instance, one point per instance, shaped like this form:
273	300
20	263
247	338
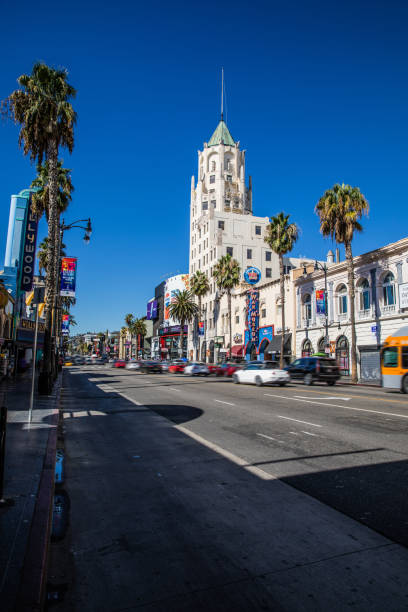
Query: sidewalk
29	476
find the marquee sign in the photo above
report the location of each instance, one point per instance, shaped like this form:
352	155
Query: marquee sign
252	308
252	275
28	248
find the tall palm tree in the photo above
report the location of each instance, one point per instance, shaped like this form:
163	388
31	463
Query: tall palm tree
199	287
42	255
183	309
41	198
43	109
140	331
129	320
339	210
123	333
281	236
227	275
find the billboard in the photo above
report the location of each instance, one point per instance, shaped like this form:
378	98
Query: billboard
29	241
68	276
174	285
151	312
320	302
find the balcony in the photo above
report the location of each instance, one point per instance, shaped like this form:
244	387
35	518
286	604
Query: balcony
365	314
388	309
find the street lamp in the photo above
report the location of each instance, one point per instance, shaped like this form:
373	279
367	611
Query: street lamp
323	268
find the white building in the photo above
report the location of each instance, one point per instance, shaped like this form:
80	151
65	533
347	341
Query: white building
221	222
381	307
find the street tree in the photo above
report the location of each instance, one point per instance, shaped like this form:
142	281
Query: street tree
41	197
183	309
42	108
199	287
281	236
340	210
227	275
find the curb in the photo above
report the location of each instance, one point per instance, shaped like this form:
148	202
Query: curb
32	589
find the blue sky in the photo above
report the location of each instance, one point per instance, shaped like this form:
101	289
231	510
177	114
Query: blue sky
316	93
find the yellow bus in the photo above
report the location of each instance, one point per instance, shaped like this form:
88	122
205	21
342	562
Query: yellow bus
394	361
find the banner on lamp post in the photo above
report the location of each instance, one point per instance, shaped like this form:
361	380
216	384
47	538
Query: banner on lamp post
320	302
68	276
201	328
65	325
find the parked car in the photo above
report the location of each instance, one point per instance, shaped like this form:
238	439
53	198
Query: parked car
261	373
150	367
311	369
196	368
133	365
177	366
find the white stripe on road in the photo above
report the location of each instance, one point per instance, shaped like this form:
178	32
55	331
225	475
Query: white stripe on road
221	402
269	437
173	389
402	416
310	434
346	399
297	421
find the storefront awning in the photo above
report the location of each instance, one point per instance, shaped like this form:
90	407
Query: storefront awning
237	350
275	344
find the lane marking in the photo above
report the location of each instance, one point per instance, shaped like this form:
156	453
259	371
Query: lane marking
383	394
402	416
224	453
297	421
268	437
294	433
310	434
173	389
346	399
221	402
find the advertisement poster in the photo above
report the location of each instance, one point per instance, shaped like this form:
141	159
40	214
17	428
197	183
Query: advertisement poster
68	276
403	295
174	285
29	241
65	325
151	310
201	328
320	302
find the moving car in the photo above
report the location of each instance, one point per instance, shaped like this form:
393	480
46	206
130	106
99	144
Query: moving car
228	369
150	367
213	368
311	369
261	373
196	368
118	363
132	365
177	366
165	366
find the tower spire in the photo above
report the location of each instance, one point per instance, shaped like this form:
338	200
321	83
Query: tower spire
222	94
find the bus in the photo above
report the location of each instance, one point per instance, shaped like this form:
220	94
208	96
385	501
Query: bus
394	361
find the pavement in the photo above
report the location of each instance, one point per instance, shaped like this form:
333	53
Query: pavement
29	478
176	504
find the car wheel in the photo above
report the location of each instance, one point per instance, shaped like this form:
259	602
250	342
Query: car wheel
404	384
282	384
331	382
258	381
308	379
235	379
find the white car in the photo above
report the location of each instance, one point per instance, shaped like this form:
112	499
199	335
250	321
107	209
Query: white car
261	373
196	369
132	365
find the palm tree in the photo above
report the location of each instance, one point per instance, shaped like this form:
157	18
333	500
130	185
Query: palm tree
41	198
183	309
281	236
42	108
227	275
199	286
140	330
42	255
339	210
123	333
129	320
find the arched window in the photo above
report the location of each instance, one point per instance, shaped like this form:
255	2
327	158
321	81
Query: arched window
342	300
307	348
307	306
342	355
389	290
364	302
321	345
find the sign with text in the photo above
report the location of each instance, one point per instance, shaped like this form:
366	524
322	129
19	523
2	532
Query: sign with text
252	275
29	324
252	308
68	276
403	295
151	310
320	302
28	248
65	325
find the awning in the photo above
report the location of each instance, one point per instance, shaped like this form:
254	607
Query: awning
275	344
237	350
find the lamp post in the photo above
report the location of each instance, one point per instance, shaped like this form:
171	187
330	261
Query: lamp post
323	268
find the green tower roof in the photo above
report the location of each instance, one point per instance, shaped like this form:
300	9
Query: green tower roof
221	136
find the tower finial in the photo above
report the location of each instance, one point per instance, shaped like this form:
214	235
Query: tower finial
222	94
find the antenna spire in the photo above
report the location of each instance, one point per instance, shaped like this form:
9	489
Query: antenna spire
222	94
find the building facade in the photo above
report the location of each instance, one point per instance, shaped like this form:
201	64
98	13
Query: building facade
381	308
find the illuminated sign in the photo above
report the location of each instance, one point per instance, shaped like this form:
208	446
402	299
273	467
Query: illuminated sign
252	275
28	248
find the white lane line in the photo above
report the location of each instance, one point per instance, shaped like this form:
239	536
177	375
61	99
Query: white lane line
310	434
294	433
268	437
173	389
221	402
224	453
402	416
346	399
297	421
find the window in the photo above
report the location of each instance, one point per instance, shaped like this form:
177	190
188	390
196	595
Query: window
227	202
364	297
214	203
342	299
229	178
213	166
212	190
307	306
205	205
404	350
221	225
249	253
227	164
212	178
199	233
199	248
263	313
389	290
257	230
390	357
230	251
287	269
237	319
268	256
268	272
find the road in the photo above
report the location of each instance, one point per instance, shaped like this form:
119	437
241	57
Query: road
344	446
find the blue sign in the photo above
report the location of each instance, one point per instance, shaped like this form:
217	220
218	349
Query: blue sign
28	248
374	328
151	310
252	275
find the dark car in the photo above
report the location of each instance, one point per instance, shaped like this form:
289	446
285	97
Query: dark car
150	367
311	369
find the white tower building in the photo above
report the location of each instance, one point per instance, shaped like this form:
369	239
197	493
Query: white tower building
221	222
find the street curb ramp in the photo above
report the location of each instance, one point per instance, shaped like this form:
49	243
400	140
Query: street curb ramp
32	589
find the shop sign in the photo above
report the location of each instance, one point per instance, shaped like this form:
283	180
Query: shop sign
68	276
320	302
252	275
28	248
252	308
403	295
172	329
28	324
332	346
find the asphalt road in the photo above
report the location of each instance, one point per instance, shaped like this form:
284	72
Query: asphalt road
344	445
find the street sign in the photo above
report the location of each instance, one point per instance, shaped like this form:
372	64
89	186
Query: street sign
374	328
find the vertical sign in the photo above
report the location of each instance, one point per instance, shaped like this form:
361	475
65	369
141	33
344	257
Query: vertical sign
68	276
65	325
320	302
28	248
201	328
252	323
